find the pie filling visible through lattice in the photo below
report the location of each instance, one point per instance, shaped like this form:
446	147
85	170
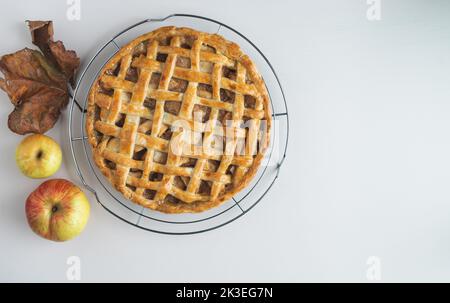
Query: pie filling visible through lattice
179	120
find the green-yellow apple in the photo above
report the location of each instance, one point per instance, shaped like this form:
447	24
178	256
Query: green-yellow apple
38	156
57	210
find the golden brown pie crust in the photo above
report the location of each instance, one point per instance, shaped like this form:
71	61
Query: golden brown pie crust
167	75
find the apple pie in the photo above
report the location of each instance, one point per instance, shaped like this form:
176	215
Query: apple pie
179	120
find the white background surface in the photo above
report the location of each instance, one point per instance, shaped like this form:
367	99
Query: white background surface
368	168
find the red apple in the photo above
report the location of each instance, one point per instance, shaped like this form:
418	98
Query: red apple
57	210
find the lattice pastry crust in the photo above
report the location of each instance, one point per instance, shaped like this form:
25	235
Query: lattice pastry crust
179	74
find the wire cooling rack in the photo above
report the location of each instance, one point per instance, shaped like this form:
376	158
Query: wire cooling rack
177	224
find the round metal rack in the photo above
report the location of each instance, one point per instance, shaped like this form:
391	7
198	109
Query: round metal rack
176	224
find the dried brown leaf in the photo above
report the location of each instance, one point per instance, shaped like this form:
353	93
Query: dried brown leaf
42	35
36	89
66	60
36	82
55	52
